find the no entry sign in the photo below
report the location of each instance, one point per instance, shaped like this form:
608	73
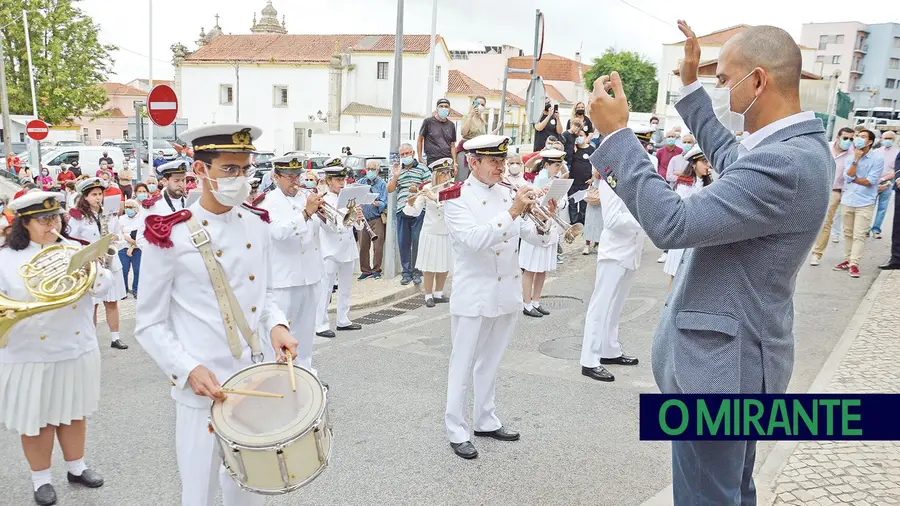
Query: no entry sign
37	129
162	105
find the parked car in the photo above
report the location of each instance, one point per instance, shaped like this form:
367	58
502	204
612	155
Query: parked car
262	159
69	143
356	164
165	146
88	158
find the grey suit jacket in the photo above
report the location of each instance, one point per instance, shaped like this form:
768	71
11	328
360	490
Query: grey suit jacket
727	326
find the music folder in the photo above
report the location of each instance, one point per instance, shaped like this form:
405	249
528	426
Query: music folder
87	254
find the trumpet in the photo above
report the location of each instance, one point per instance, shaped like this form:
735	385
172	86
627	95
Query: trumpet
354	213
544	219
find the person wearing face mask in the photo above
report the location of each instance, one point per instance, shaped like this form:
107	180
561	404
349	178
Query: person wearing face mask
580	173
180	321
153	186
841	149
109	187
862	174
45	181
89	223
172	198
728	324
548	125
433	257
473	125
888	151
371	252
484	223
129	251
578	112
658	137
406	175
515	170
437	137
678	163
665	154
65	174
126	181
159	159
71	194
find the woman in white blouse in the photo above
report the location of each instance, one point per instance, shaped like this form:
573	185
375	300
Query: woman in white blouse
50	367
433	257
129	249
88	223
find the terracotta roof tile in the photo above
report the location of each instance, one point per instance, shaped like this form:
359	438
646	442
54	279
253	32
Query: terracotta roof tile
551	67
121	89
302	48
461	84
554	94
114	112
357	109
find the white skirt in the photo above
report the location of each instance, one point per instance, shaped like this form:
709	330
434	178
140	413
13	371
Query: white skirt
36	394
434	253
117	292
537	258
673	260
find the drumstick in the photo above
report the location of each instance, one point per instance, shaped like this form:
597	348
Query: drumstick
290	363
251	393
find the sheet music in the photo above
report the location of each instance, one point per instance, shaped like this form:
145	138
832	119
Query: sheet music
368	199
348	193
111	204
579	196
192	197
558	189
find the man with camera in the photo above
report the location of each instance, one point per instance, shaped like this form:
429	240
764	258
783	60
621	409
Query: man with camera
547	126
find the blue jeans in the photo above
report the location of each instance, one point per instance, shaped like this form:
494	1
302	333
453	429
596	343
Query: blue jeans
408	229
129	262
884	200
707	473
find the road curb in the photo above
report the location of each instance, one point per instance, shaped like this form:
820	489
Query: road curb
782	451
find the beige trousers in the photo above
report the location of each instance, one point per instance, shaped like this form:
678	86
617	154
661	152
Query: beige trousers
834	202
856	222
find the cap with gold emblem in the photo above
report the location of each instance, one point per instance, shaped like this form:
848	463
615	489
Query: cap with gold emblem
552	156
254	182
334	167
644	132
173	167
495	146
37	202
443	164
694	154
227	138
89	184
289	164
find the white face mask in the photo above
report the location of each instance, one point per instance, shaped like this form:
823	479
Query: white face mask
514	169
233	191
721	102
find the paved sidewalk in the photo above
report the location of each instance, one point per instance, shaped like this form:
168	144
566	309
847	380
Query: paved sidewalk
854	472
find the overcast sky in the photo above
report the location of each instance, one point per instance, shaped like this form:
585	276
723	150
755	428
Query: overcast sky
592	25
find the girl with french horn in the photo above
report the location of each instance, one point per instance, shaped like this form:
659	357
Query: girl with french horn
433	257
50	364
88	223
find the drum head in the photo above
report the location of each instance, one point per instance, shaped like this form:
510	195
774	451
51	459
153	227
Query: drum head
261	421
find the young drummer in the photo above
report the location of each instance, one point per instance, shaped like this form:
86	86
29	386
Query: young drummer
434	253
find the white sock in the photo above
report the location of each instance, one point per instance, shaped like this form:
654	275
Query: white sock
428	296
528	306
41	478
115	336
439	295
535	303
76	467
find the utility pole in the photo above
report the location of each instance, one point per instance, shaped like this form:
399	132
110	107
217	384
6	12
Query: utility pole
429	97
391	256
34	161
138	132
832	103
538	19
4	99
237	90
150	84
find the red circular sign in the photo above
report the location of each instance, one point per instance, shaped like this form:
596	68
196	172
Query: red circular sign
37	129
162	105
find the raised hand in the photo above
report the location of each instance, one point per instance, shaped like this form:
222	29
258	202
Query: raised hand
609	113
690	65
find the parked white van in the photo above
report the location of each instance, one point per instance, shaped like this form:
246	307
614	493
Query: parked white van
88	158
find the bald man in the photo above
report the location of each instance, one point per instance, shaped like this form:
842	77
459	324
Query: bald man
728	325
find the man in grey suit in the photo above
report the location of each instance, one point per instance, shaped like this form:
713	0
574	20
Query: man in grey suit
727	325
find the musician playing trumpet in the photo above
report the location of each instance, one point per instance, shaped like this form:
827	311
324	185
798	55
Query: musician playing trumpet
433	256
295	259
50	368
339	251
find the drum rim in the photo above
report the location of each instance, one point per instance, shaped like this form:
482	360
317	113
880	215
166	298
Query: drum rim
319	418
292	488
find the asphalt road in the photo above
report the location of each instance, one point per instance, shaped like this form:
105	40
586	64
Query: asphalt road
579	437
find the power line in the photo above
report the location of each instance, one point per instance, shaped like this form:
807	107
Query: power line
663	21
120	48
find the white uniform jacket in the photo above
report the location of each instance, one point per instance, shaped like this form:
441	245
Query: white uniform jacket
434	222
622	238
87	229
61	334
296	258
338	242
178	319
485	239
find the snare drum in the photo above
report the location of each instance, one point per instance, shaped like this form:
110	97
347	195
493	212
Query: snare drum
273	446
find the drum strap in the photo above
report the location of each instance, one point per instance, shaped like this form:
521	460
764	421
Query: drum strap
232	315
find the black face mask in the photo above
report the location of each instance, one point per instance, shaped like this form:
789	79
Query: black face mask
579	112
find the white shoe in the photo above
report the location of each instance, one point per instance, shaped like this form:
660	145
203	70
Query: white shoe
814	261
835	238
662	258
586	250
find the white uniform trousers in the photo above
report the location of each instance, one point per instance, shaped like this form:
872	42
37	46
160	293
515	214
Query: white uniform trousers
601	325
478	347
342	272
300	305
199	464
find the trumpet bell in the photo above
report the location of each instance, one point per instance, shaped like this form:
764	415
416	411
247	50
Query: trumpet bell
573	232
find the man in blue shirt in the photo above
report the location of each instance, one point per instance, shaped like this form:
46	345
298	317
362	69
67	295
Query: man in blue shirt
861	175
372	213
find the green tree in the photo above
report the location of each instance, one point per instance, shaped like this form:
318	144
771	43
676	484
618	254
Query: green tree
69	61
638	77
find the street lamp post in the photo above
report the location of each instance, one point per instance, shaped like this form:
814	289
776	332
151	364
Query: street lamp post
390	241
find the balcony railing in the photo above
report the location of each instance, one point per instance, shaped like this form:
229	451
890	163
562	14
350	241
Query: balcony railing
858	68
861	48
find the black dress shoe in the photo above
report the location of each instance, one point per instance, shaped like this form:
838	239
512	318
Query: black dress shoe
540	309
501	434
534	313
623	360
442	300
352	326
119	345
45	495
465	450
326	333
88	478
429	302
598	373
890	266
